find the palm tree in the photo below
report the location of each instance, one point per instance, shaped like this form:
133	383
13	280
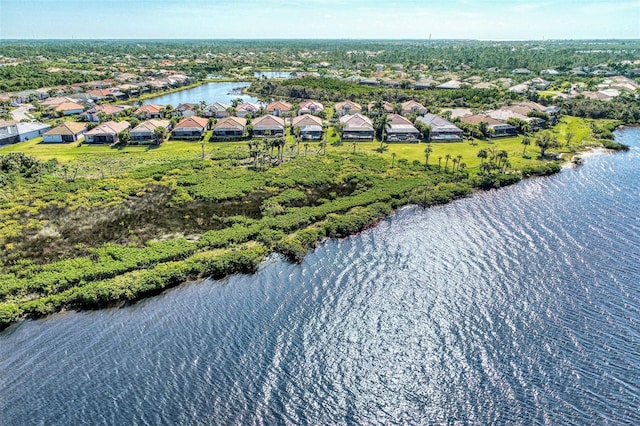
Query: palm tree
482	155
381	127
446	162
439	163
355	144
393	159
427	151
526	142
306	148
160	134
459	158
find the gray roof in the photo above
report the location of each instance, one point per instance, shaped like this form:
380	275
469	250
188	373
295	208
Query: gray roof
438	123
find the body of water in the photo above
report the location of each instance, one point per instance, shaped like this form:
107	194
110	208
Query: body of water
209	92
516	306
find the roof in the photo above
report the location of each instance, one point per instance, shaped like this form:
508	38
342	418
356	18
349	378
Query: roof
385	105
110	127
311	104
451	84
68	106
398	123
108	109
438	123
248	106
231	122
306	120
31	127
218	106
479	118
503	114
151	125
268	121
350	104
199	122
411	104
67	128
150	108
281	105
357	122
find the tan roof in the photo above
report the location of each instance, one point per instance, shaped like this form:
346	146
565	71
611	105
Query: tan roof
386	105
151	125
268	121
306	120
248	106
110	127
200	122
67	106
357	121
108	109
231	122
309	104
351	104
398	119
151	108
281	105
67	128
411	104
479	118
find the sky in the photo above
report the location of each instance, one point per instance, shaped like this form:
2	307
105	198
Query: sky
320	19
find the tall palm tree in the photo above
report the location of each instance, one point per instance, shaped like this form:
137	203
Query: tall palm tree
427	151
482	155
526	142
446	161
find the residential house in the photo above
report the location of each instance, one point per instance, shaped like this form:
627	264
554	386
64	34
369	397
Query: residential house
278	108
8	132
69	131
55	101
217	110
268	125
230	127
413	107
441	129
190	128
69	108
521	71
357	127
310	126
188	109
145	132
373	111
451	85
310	107
504	114
500	128
94	113
247	108
100	94
31	130
401	129
147	112
347	108
106	133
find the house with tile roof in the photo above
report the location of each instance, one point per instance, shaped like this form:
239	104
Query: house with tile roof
310	107
413	107
357	127
279	108
401	129
145	132
149	111
268	125
230	128
373	112
190	128
217	110
347	108
66	132
310	126
106	133
500	129
69	108
247	108
441	129
93	114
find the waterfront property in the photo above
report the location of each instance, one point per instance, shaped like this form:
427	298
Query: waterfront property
310	126
217	110
149	111
357	127
69	131
401	129
441	129
278	108
106	133
247	108
145	132
190	128
268	125
347	108
230	128
188	109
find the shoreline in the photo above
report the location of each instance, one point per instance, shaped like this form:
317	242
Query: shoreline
191	265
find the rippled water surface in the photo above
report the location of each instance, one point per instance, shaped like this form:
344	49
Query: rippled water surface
224	92
518	306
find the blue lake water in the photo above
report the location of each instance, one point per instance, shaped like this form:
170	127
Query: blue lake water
516	306
210	92
272	74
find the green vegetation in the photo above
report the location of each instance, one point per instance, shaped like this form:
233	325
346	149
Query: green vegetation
98	225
